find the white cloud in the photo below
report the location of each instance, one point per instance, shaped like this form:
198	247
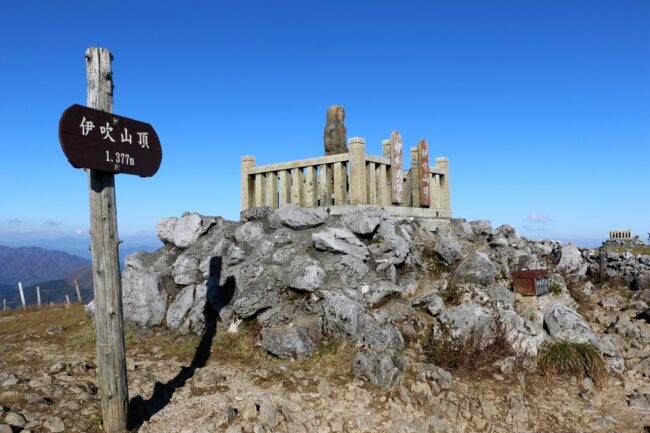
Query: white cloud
78	232
25	231
538	218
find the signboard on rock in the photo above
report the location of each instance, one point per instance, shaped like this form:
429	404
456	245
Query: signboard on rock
104	141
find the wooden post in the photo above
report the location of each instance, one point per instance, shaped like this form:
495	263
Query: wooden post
272	189
109	323
602	264
260	190
358	193
247	185
4	305
325	182
38	296
67	301
425	176
76	286
396	174
443	164
311	187
340	188
296	187
415	178
285	188
22	294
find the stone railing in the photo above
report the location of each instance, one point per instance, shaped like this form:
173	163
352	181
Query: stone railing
353	178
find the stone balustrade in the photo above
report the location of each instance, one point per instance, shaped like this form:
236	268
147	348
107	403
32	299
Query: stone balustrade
353	178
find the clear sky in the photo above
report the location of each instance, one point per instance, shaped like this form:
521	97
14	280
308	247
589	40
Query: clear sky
542	107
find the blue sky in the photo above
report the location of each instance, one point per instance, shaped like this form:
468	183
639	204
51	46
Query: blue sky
543	108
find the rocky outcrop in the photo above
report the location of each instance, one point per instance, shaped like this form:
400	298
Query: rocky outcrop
306	277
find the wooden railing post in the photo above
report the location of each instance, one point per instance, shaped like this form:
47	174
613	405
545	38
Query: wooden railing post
272	189
443	164
247	184
357	148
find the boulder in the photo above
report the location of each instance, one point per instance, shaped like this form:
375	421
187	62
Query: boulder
184	231
143	300
571	261
431	302
256	213
186	270
448	248
349	270
179	308
362	223
382	369
298	218
376	292
339	241
565	323
476	269
305	274
525	338
463	320
288	341
249	233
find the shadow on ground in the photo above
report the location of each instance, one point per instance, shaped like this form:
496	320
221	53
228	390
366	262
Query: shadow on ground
218	296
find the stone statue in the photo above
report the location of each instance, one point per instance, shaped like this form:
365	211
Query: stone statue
335	133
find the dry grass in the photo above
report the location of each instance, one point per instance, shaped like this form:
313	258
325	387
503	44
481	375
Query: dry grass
567	359
470	355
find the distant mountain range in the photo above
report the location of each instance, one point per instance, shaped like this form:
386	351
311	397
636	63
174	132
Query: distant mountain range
33	264
55	272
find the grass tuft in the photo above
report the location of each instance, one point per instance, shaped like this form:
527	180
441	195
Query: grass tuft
469	355
566	358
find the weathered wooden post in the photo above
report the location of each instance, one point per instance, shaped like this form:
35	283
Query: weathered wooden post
76	286
396	173
67	301
415	178
424	173
357	148
111	354
4	305
93	138
247	184
602	264
38	296
22	294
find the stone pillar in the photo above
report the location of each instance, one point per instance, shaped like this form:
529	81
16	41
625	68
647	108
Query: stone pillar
357	150
445	198
247	184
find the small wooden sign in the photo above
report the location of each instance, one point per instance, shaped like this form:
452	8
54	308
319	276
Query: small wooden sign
104	141
425	175
396	174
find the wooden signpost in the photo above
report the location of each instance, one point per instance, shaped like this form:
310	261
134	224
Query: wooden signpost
396	173
424	174
93	138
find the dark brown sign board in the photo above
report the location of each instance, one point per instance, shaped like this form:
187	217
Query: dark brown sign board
103	141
